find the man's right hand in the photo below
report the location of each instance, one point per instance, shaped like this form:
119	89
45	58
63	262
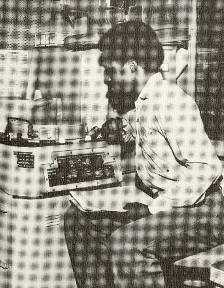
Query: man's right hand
112	131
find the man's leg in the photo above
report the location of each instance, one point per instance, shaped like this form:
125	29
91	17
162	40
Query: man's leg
178	233
86	235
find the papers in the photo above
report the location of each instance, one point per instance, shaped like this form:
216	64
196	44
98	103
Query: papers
111	199
82	203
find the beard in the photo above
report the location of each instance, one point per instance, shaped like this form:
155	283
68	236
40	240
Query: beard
122	102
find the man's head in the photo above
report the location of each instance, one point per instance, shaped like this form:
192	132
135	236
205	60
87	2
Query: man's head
130	52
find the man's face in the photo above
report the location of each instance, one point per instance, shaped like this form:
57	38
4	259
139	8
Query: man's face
118	77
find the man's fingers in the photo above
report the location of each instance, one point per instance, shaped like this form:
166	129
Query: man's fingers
113	126
126	138
111	130
119	123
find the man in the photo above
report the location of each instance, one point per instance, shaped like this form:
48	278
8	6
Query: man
175	162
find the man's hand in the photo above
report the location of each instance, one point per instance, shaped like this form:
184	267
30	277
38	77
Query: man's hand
136	210
127	138
112	131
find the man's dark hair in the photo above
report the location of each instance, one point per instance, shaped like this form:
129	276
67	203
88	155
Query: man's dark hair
133	40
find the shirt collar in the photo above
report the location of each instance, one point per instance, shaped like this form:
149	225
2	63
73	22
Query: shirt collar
150	85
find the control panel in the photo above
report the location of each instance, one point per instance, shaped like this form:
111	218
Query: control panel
76	169
32	171
81	169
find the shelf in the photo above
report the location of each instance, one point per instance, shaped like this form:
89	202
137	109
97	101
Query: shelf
83	43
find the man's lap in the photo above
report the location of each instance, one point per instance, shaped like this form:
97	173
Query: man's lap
178	232
96	240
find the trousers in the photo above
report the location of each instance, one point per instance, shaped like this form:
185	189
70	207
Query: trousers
112	251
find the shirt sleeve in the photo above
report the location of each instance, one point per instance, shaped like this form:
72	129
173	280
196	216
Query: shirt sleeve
182	126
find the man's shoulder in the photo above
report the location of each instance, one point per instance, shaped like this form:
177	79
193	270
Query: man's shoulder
169	97
169	92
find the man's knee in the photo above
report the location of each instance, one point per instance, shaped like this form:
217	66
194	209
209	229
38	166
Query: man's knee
131	261
70	217
72	220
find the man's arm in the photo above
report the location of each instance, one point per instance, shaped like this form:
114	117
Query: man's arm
129	129
184	129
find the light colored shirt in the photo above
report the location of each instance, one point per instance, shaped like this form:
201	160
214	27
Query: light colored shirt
174	155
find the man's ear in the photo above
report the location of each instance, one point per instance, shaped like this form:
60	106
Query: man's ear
133	65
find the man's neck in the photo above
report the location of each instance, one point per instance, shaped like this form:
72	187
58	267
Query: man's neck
142	78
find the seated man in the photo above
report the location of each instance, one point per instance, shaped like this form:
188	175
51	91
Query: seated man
176	163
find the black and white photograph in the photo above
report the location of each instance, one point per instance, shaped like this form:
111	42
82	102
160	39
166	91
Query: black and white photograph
111	143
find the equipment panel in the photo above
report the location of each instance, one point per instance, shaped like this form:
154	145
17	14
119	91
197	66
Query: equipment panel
34	171
80	168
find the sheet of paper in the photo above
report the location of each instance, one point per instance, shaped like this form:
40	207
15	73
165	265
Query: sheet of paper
111	199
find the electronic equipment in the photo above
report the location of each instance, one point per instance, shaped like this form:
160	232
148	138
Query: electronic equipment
34	170
82	168
38	159
18	128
